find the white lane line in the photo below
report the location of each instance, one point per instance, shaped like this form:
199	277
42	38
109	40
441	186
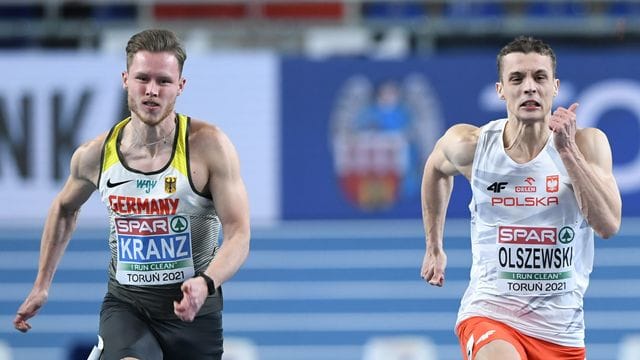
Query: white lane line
319	290
309	259
72	260
320	322
307	352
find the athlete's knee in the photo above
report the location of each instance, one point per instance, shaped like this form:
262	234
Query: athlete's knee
497	350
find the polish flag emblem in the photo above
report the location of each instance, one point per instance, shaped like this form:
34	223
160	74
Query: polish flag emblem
553	182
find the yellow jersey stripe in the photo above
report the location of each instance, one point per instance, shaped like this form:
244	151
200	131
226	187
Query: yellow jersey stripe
110	146
179	161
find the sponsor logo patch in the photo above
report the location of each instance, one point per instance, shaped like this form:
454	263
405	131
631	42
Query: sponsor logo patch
566	235
117	183
530	188
142	226
147	185
497	186
531	235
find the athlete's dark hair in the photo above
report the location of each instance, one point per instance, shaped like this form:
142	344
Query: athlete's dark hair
156	40
526	44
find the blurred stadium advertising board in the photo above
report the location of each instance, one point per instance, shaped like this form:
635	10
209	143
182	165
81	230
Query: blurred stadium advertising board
50	103
356	132
318	139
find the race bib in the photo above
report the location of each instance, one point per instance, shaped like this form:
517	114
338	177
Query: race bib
535	260
153	250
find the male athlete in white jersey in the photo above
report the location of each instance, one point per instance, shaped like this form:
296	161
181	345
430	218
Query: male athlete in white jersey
541	187
170	183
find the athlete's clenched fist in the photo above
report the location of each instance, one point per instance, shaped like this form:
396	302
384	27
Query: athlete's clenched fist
563	125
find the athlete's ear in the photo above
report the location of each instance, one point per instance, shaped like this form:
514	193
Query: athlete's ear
556	87
500	90
125	77
181	83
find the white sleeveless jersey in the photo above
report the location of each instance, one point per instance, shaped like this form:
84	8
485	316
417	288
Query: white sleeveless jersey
162	230
532	248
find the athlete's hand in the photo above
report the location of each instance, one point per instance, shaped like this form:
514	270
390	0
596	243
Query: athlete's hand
563	125
194	294
433	267
29	309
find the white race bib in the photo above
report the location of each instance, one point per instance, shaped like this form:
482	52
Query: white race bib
153	250
535	260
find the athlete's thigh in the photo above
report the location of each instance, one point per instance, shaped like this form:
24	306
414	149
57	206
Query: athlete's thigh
483	338
198	340
498	350
125	333
538	349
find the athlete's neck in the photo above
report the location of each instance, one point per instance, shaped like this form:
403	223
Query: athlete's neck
523	140
145	135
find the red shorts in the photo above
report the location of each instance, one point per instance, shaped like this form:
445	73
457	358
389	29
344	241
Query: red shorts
476	332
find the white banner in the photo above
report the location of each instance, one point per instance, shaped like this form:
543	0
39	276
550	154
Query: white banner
51	103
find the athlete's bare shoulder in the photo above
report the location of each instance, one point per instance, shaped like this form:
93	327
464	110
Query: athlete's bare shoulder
464	134
204	136
594	145
206	139
590	137
214	160
453	153
459	144
86	160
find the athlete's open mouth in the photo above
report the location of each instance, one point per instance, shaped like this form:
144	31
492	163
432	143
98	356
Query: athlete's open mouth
530	104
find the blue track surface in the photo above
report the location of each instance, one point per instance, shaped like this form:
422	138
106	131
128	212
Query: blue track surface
311	291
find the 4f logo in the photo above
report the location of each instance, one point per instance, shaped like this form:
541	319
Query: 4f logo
497	186
170	184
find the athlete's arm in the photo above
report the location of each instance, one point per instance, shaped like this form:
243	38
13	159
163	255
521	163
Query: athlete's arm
232	205
60	224
228	191
452	155
586	155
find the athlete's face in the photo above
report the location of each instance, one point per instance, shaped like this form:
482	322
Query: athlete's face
152	82
528	86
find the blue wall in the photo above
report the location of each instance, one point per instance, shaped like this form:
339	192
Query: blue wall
321	99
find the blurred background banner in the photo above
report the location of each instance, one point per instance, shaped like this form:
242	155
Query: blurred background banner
51	103
356	132
351	140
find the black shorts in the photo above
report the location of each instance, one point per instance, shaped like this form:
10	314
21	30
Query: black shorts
129	331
